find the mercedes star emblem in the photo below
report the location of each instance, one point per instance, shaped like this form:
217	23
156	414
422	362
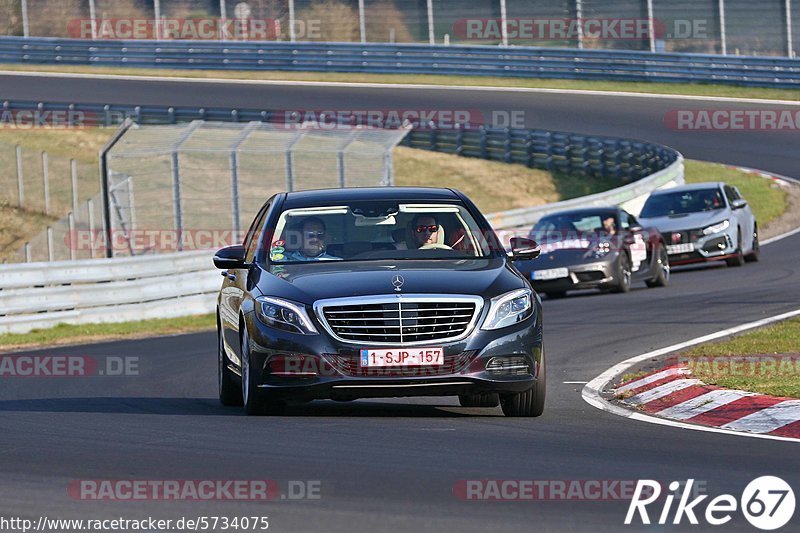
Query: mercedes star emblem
398	281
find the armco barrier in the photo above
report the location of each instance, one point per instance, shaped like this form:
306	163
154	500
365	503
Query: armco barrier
523	62
41	295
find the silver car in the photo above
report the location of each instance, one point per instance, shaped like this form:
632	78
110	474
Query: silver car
703	222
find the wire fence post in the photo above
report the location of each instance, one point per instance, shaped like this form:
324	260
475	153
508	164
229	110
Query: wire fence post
50	252
46	180
20	177
431	33
503	24
73	167
789	40
722	35
579	16
90	209
157	17
292	35
651	31
71	240
93	18
26	29
362	24
176	198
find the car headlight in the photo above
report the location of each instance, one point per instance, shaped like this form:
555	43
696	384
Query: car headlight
285	315
508	309
716	228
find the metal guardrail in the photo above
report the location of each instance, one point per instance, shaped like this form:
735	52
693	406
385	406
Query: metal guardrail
525	62
40	295
44	294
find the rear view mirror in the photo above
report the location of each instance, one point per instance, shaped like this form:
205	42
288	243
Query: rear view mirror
524	249
230	257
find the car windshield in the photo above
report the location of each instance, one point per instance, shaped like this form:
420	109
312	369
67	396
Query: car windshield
569	226
363	231
682	202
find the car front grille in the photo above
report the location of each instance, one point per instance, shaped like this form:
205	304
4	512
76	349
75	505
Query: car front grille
683	236
400	320
349	365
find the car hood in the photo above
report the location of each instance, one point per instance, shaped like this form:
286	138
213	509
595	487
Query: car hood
688	221
309	282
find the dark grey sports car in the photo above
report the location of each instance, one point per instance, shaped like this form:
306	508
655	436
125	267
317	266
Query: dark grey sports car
595	248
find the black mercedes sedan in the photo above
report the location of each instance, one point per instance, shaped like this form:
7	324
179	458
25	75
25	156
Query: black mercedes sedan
595	248
377	292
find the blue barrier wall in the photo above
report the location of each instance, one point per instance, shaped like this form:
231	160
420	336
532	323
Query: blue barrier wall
523	62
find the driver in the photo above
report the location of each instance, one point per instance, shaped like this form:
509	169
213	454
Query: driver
313	247
425	229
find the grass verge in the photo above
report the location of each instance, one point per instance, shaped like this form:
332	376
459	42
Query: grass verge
775	371
91	333
688	89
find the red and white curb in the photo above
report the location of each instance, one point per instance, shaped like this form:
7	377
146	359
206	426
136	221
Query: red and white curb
671	393
671	397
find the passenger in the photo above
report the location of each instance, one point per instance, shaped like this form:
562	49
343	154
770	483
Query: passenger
313	248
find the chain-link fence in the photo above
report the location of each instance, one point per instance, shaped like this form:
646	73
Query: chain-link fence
198	185
765	27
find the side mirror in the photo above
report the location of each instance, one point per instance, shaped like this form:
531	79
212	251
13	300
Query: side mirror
230	257
523	249
741	203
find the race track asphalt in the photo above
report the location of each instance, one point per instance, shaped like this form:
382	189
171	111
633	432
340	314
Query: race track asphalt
391	465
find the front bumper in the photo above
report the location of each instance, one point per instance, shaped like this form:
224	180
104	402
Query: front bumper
592	275
309	367
700	249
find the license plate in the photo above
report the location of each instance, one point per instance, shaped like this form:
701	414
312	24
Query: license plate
680	248
402	357
552	273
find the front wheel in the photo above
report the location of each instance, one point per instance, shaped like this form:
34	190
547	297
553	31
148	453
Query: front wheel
529	403
738	257
753	256
623	274
229	391
253	398
661	279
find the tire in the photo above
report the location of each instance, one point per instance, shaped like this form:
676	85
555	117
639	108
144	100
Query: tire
479	400
738	259
230	392
555	295
623	274
661	279
254	400
753	256
529	403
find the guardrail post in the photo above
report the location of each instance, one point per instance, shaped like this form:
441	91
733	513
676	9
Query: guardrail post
459	139
73	166
46	180
507	147
27	252
71	240
482	143
20	177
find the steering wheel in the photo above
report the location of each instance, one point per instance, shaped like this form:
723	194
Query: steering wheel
435	246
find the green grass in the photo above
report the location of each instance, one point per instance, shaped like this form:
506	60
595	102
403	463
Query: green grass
691	89
766	199
780	339
87	333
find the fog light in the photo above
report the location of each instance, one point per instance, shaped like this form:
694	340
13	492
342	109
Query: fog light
508	365
294	366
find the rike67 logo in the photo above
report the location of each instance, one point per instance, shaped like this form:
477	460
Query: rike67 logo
767	503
